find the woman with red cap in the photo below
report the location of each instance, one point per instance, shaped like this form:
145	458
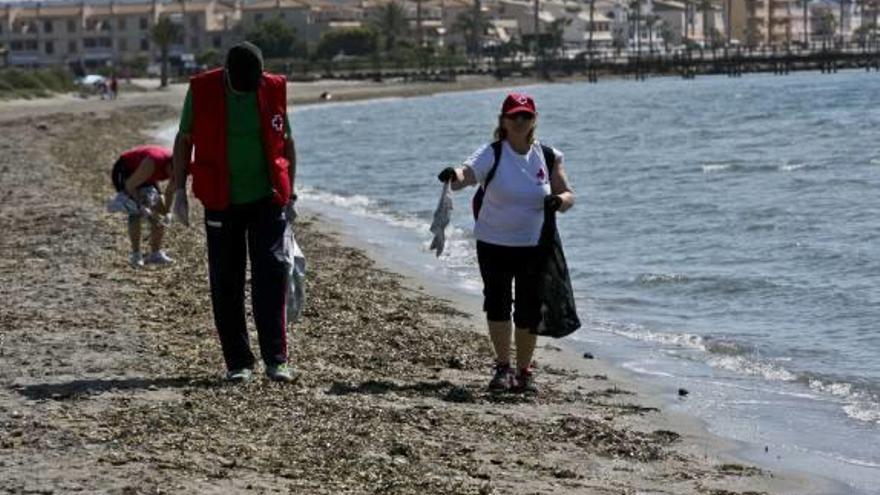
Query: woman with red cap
519	178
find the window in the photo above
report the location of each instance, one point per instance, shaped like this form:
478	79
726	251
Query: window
123	45
89	43
105	42
30	45
145	45
47	26
120	23
50	48
71	47
71	26
194	22
105	25
194	43
16	46
217	42
143	23
258	17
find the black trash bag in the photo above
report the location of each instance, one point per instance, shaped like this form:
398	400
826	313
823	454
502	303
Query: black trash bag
558	313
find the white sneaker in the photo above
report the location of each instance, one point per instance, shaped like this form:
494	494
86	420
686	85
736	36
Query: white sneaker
136	260
158	258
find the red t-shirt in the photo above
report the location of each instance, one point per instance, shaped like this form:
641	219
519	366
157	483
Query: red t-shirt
160	156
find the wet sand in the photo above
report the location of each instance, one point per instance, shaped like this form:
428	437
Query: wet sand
111	382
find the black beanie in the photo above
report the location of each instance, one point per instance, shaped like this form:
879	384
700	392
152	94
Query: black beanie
244	65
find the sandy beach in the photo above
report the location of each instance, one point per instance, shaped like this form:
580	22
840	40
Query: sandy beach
111	377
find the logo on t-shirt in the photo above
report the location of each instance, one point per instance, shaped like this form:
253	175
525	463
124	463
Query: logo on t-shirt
542	176
278	122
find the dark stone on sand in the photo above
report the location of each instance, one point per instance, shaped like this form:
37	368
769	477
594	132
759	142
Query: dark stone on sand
588	355
682	392
455	362
459	394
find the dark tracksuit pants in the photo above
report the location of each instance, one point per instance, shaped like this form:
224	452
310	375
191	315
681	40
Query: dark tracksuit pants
255	229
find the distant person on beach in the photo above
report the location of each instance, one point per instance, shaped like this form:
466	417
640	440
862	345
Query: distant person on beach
516	186
114	87
244	163
138	173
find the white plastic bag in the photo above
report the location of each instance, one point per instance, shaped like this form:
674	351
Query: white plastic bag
441	220
295	262
122	203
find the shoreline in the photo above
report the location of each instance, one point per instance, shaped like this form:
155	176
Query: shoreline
570	389
566	354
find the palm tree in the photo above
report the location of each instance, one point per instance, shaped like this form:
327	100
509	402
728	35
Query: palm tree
806	23
420	38
391	23
669	35
706	8
164	34
472	24
536	25
753	25
636	5
651	21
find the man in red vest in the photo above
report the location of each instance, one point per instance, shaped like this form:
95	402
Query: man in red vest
234	126
138	172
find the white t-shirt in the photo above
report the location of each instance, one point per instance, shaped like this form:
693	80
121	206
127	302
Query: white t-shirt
512	213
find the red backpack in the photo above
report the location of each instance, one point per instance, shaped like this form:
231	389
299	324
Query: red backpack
477	201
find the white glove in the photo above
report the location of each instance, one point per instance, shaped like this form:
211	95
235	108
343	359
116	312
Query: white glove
181	207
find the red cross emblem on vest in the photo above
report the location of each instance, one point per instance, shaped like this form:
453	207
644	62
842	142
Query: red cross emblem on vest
278	122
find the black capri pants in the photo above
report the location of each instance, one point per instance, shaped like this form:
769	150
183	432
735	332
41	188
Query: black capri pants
502	265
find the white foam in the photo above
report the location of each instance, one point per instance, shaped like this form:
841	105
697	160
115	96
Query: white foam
858	405
715	167
635	332
637	368
875	161
791	167
743	364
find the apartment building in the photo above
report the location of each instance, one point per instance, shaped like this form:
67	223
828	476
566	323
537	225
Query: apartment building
93	33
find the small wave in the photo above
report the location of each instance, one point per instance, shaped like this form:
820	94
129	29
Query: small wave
685	340
746	365
652	279
791	167
710	168
875	161
859	404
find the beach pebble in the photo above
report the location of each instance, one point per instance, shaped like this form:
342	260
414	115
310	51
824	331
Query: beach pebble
459	394
682	392
588	355
455	362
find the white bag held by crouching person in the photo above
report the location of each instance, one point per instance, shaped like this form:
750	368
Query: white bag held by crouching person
122	203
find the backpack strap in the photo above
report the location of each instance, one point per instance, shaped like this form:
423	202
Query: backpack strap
496	148
549	159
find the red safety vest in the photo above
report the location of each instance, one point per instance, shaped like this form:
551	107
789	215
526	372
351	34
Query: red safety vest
210	167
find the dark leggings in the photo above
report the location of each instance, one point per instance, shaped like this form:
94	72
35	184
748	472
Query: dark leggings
502	265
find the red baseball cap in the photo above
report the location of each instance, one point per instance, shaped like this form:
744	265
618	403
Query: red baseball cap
518	102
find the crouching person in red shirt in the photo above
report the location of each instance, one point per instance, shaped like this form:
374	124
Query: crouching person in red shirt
138	173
